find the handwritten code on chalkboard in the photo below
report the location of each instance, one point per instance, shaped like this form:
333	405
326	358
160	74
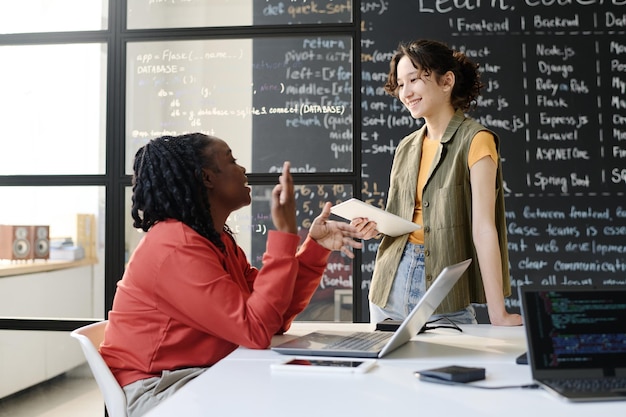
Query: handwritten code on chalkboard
304	88
274	99
555	87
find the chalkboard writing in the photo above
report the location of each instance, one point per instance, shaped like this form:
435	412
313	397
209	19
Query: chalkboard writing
554	76
302	11
272	99
175	87
304	85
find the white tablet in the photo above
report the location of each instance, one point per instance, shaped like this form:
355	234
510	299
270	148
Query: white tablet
387	223
301	364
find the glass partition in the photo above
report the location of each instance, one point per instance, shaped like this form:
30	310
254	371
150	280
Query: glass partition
151	14
52	252
53	109
271	99
36	16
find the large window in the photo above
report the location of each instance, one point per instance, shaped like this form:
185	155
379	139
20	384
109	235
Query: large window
55	182
38	16
47	235
54	109
87	82
53	118
92	81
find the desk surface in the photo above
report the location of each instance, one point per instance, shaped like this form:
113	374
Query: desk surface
244	385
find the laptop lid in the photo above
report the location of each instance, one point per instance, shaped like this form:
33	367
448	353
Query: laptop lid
574	333
317	343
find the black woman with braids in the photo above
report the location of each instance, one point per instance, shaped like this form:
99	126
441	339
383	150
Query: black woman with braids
189	296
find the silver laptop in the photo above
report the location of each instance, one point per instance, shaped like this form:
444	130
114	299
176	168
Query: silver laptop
577	340
377	344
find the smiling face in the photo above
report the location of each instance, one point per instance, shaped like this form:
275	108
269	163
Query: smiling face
225	180
422	93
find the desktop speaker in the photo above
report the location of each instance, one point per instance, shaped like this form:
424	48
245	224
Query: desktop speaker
40	236
15	242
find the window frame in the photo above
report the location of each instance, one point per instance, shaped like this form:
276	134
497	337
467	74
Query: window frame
115	181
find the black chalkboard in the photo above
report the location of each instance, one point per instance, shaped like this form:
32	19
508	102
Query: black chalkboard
555	88
555	92
303	104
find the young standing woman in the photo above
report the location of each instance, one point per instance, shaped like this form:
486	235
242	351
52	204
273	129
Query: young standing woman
446	177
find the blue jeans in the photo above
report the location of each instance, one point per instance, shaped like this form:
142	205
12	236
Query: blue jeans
409	287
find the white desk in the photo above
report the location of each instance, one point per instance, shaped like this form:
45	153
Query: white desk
244	385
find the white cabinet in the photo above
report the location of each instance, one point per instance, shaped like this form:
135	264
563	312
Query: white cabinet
30	357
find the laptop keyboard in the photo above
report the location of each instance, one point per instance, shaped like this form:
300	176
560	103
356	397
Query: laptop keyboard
361	340
589	384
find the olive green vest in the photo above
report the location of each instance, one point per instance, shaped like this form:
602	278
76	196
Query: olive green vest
447	212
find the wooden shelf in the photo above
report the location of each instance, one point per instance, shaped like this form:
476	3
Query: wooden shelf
11	268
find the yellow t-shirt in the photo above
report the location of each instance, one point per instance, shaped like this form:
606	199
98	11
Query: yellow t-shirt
483	144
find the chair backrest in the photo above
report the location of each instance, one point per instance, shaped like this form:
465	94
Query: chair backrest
90	337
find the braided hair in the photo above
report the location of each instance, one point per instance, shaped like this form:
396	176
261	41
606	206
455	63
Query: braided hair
168	184
436	57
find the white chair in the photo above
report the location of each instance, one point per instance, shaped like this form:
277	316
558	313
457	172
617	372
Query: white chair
90	337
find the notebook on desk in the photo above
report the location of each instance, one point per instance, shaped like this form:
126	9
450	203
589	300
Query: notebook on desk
377	344
577	340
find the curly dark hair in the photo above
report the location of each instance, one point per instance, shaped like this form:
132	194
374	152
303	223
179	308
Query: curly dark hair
436	57
168	184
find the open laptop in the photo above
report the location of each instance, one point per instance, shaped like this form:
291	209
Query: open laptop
577	337
377	344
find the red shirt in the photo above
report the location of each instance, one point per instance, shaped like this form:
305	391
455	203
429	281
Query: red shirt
184	303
